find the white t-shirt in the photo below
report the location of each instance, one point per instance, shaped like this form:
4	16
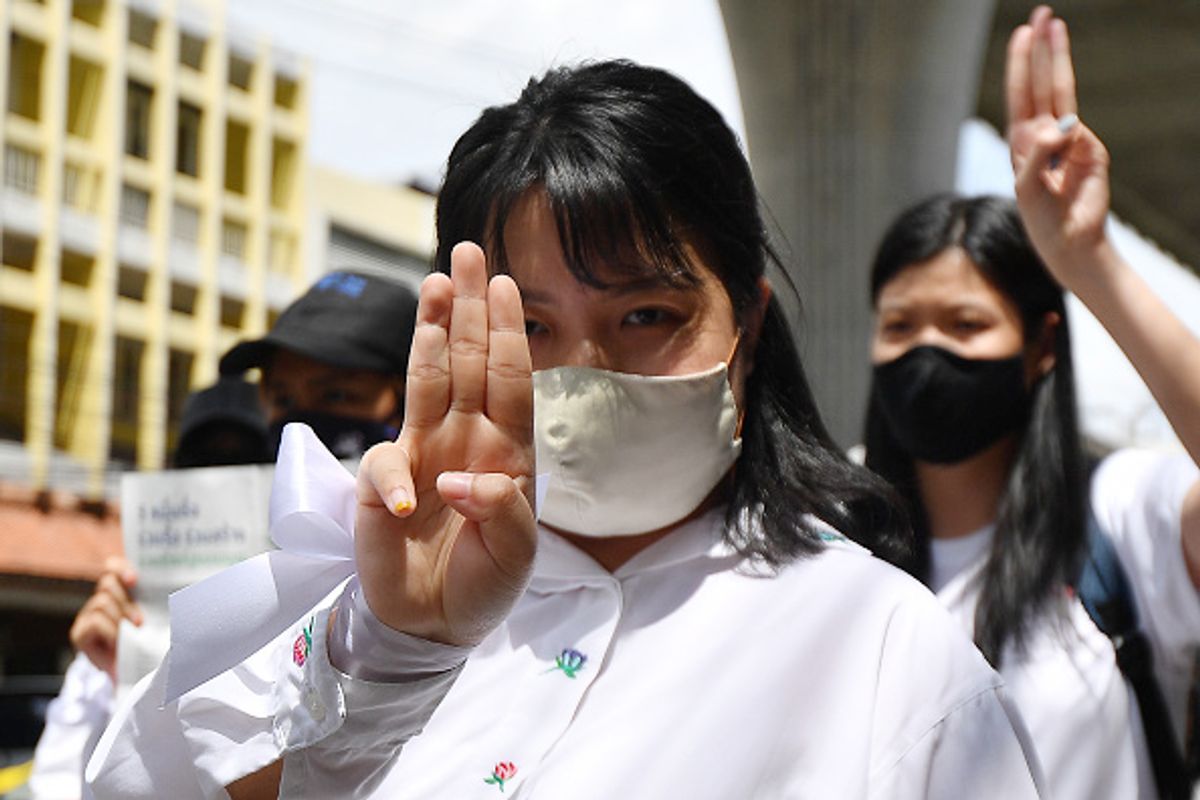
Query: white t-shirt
1080	711
682	674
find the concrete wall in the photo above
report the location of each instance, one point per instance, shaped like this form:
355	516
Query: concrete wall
852	110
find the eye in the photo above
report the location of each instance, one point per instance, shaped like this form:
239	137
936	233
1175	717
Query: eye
965	326
895	327
647	316
336	396
533	327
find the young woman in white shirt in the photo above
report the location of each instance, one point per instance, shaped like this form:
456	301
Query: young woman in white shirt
691	615
973	419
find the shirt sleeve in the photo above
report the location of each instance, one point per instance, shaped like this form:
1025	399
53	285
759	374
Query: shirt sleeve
980	749
337	734
74	721
1137	497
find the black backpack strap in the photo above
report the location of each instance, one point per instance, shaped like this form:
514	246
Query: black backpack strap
1104	591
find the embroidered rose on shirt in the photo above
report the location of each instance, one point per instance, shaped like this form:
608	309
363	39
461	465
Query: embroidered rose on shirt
568	662
303	644
502	772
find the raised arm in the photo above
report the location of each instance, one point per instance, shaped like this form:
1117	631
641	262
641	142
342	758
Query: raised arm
445	534
1062	188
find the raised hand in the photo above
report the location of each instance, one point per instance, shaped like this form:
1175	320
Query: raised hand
445	533
1061	168
94	631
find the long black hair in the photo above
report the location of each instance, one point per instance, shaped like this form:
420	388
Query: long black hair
1040	523
631	159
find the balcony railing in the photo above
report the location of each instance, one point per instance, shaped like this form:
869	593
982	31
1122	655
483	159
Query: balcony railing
21	168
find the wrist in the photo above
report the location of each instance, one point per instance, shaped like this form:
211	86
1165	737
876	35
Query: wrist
363	647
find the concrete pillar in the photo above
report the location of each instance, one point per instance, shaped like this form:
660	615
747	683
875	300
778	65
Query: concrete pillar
852	110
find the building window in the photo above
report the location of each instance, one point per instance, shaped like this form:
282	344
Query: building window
131	283
79	187
17	251
179	384
241	71
237	137
283	171
73	349
77	268
183	298
187	143
233	312
138	101
16	328
286	91
233	239
127	368
89	11
142	29
25	76
185	223
21	169
84	82
191	51
135	206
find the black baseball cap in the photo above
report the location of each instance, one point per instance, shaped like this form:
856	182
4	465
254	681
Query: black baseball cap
347	319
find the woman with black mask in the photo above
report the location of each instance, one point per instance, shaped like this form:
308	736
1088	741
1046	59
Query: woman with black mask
973	419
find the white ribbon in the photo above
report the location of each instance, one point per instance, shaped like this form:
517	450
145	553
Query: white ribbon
221	621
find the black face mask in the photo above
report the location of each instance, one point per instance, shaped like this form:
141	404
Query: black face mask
943	408
346	437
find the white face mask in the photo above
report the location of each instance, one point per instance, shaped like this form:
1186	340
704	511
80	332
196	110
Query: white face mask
630	454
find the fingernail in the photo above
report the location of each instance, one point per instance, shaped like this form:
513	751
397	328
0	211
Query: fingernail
1066	122
399	501
455	484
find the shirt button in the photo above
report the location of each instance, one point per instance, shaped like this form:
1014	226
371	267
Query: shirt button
312	701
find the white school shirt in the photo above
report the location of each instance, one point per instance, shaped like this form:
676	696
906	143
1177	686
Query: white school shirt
1079	709
682	674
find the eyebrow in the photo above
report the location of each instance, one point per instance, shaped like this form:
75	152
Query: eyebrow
625	288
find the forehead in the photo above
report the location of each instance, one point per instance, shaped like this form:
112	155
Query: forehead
533	246
295	369
950	278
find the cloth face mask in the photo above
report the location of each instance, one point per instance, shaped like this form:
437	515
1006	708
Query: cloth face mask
943	408
630	454
345	437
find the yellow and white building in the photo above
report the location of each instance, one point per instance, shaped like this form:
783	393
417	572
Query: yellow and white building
156	205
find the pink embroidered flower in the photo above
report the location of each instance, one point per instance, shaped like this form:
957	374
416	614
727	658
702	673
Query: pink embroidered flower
502	772
303	645
299	652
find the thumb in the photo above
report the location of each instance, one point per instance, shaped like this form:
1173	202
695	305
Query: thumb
496	504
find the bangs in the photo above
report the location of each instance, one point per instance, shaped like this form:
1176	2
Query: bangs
610	224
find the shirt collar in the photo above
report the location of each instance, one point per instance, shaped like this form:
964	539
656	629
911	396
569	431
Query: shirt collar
561	564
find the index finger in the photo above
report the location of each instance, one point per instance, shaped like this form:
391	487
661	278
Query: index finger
1016	76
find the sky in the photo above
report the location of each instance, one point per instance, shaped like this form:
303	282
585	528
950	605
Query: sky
394	82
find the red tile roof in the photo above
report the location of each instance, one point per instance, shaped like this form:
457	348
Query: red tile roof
55	535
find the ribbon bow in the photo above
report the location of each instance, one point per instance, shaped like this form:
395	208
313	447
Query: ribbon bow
220	621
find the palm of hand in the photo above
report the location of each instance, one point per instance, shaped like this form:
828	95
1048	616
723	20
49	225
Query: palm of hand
451	569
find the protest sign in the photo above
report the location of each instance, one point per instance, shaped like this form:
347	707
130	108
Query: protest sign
180	526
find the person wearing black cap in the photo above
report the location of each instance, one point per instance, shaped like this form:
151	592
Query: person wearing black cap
222	425
335	360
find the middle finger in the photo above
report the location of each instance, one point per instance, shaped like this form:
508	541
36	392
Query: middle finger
468	329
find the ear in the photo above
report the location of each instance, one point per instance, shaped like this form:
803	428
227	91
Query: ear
1043	358
754	324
